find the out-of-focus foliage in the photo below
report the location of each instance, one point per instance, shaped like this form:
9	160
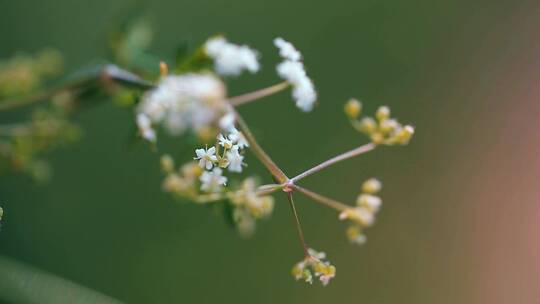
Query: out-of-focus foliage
23	73
22	145
129	42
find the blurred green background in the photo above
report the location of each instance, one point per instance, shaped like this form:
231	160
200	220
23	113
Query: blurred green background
460	202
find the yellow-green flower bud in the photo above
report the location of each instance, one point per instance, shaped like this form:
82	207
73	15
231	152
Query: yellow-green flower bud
404	135
368	125
369	202
353	108
383	113
167	163
371	186
388	126
377	138
355	235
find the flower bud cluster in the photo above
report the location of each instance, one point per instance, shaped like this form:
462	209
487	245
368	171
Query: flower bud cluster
181	182
363	215
314	266
249	206
202	186
382	129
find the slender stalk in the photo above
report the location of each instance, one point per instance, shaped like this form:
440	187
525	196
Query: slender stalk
218	197
352	153
252	96
268	189
258	151
321	199
297	221
104	74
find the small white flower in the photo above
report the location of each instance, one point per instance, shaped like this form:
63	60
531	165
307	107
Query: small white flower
231	59
145	128
212	181
225	142
206	157
303	88
305	95
226	123
235	160
238	138
287	50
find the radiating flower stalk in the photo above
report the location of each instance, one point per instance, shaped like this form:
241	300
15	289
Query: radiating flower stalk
195	101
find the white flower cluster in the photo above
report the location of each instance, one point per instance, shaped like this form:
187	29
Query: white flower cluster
292	70
230	158
231	59
314	265
181	103
363	215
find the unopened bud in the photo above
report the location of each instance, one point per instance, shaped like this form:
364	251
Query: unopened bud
371	186
167	163
353	108
383	113
368	125
405	135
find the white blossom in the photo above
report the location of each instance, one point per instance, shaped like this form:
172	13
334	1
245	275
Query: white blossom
235	160
212	181
303	88
224	141
145	128
238	138
206	157
287	50
226	123
185	102
231	59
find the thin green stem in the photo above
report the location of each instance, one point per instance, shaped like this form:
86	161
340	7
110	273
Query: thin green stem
252	96
298	225
352	153
218	197
321	199
269	189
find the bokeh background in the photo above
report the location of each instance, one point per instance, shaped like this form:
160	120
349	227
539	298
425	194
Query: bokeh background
461	202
